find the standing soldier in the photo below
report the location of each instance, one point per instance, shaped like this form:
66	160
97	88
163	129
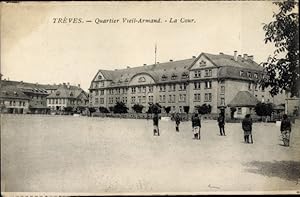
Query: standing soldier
247	127
177	119
286	128
196	124
155	124
221	122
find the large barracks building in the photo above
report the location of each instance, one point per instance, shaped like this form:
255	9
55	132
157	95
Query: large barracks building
219	80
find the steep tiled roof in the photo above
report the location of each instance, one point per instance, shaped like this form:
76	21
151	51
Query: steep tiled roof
228	67
37	88
66	92
243	99
123	76
234	73
12	92
228	60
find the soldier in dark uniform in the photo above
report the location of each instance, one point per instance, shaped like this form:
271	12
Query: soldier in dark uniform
155	124
247	127
196	124
177	119
221	123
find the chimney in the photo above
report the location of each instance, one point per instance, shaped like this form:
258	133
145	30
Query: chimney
68	85
221	53
250	57
245	56
116	69
171	60
235	55
194	57
239	56
64	84
145	64
128	67
79	85
157	62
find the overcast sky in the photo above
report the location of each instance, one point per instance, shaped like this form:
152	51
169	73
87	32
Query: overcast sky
34	49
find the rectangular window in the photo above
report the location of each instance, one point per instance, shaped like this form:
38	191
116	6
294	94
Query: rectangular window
144	99
182	97
139	99
207	97
249	74
101	92
96	100
133	99
223	101
144	89
133	90
101	100
180	109
139	89
208	85
239	110
197	73
197	85
164	98
150	88
208	73
241	73
197	97
222	89
150	98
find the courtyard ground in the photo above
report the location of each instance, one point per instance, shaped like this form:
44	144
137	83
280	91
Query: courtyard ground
106	155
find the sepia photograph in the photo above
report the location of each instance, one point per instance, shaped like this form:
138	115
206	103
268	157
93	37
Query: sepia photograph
149	98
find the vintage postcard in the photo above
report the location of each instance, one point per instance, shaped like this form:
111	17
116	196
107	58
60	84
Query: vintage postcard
149	98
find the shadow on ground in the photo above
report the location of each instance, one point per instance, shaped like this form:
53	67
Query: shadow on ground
288	170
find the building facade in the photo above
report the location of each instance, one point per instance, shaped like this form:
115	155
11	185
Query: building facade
12	100
67	96
212	79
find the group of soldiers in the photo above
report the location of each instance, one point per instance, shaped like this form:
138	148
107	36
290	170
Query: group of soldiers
285	126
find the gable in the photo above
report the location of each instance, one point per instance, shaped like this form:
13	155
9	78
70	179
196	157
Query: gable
202	62
141	79
99	76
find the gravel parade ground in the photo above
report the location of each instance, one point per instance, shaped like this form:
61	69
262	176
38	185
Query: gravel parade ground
107	155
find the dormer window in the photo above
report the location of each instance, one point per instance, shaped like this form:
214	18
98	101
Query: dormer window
71	94
255	75
164	78
126	80
184	75
202	63
241	73
249	74
174	76
57	93
99	77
